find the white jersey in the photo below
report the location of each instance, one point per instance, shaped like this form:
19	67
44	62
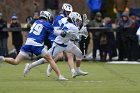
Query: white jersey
63	21
71	33
63	43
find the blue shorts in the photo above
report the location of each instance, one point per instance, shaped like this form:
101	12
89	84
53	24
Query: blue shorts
37	50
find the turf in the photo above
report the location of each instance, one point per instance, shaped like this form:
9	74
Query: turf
102	78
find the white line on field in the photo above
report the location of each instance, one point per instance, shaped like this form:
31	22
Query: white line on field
123	62
90	81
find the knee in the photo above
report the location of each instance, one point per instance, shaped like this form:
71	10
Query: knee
69	55
60	55
15	63
48	57
79	56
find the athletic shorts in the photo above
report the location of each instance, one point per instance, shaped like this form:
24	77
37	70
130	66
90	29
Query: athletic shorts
37	50
70	47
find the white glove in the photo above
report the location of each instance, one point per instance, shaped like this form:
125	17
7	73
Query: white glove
83	32
73	34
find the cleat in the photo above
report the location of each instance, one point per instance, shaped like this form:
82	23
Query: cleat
62	78
1	59
49	70
81	73
26	69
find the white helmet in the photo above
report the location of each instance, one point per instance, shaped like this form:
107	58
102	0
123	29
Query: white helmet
75	16
45	14
67	7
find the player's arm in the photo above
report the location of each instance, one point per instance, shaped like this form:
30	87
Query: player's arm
57	31
58	26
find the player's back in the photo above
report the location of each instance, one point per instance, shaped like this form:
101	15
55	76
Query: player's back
38	31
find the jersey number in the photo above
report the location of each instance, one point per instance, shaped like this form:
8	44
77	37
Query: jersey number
36	29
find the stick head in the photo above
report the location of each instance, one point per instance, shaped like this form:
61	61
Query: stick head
85	20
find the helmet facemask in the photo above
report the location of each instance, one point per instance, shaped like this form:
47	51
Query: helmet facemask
66	13
67	9
46	15
76	18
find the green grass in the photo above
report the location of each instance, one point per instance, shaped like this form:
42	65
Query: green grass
102	78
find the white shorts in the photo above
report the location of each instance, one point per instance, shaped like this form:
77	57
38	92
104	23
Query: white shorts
71	47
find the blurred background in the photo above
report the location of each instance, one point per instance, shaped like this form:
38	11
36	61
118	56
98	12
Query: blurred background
21	10
24	8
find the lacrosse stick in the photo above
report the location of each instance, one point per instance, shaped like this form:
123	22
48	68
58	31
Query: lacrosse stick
85	22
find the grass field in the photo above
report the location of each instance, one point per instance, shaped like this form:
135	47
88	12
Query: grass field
102	78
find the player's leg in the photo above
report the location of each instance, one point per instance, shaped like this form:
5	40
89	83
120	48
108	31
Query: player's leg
29	66
54	66
58	57
49	58
77	52
15	61
70	58
45	54
49	68
57	52
70	63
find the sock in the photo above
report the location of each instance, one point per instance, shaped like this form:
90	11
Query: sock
36	63
72	70
77	69
60	76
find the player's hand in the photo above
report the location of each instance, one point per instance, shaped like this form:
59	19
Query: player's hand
83	31
63	33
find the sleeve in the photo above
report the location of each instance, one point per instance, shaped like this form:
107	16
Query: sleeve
58	30
56	21
49	28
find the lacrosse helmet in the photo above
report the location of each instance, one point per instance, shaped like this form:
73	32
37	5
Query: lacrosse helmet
74	16
45	14
67	7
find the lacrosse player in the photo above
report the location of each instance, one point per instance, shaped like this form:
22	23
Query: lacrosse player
69	31
35	43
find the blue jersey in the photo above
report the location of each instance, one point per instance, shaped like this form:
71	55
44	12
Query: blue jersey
56	24
56	21
39	29
35	41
